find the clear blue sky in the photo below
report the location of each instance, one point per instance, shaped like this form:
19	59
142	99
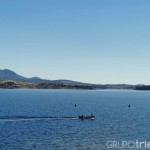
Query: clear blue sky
97	41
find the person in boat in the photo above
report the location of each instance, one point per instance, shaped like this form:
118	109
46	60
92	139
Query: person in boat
92	115
81	117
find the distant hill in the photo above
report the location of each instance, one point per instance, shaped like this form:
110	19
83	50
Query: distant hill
7	74
143	87
11	79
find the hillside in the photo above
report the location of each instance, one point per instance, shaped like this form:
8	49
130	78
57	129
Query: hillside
10	79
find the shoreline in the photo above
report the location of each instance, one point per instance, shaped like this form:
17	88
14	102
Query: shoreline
12	84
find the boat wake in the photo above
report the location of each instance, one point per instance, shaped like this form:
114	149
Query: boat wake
26	118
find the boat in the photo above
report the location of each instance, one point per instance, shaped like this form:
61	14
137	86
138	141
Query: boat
87	117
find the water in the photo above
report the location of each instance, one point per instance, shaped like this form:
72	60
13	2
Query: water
48	120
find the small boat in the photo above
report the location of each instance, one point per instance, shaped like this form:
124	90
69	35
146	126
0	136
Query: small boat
87	117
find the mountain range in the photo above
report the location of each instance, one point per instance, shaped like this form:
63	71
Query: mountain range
7	74
9	78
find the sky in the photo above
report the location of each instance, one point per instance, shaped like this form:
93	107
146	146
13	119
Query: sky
93	41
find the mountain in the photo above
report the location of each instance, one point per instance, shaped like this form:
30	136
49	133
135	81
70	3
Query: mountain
9	78
7	74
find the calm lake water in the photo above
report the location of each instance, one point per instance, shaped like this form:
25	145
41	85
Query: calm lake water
23	126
